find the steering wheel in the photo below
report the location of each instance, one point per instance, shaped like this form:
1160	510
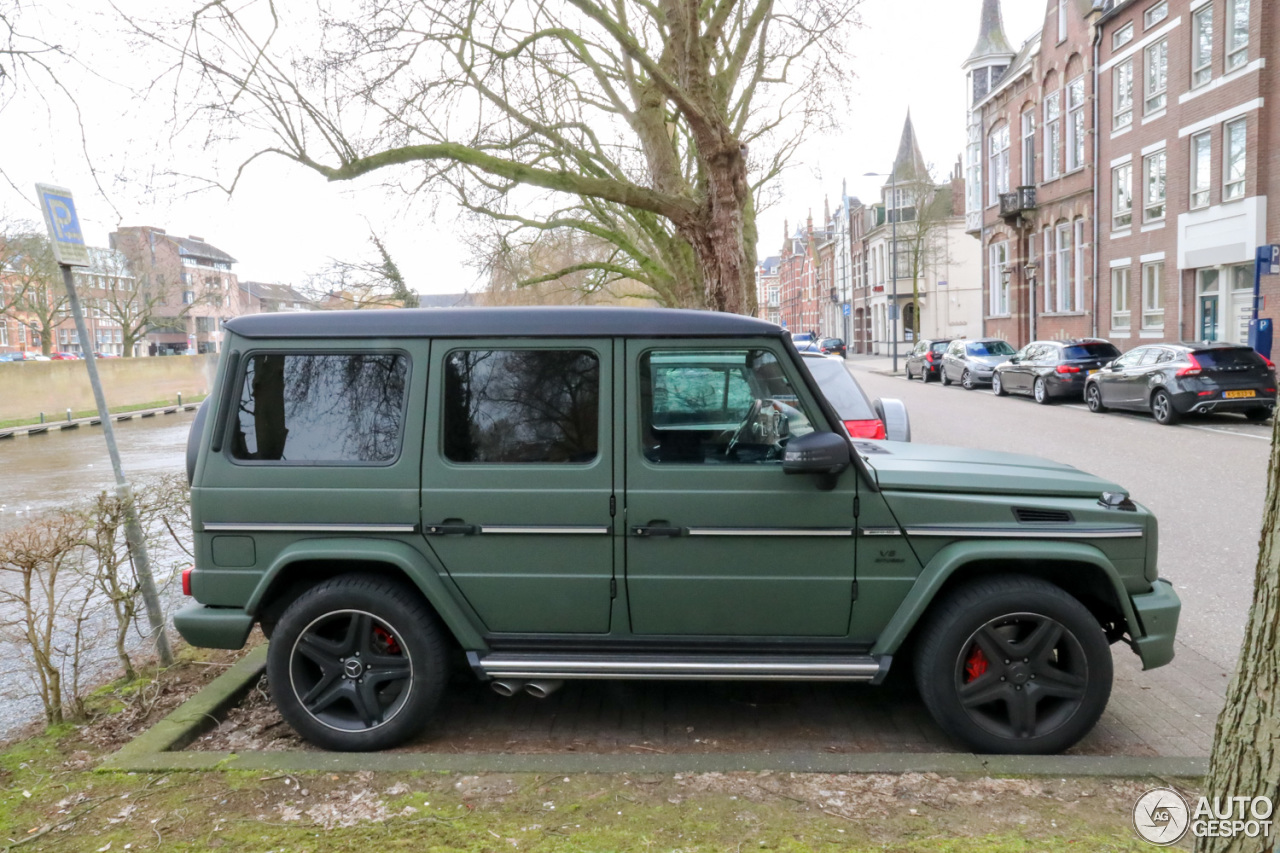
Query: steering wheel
753	414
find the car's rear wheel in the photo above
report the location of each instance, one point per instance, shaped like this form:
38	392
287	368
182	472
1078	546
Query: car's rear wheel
1258	414
1041	391
966	380
1162	408
1012	664
357	664
1093	398
997	387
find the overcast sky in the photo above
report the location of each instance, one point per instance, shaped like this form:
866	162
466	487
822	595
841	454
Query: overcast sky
284	221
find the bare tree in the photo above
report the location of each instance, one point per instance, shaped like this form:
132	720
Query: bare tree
557	268
652	126
374	282
924	214
36	296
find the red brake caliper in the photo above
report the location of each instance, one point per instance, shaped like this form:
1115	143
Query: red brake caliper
388	642
975	666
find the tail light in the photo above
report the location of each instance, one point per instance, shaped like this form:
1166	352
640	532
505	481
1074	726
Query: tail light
1067	368
873	428
1194	370
929	357
186	580
1269	362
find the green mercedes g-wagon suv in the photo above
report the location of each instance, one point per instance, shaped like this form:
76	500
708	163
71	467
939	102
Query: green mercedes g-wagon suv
552	493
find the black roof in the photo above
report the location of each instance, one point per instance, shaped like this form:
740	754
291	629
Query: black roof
524	322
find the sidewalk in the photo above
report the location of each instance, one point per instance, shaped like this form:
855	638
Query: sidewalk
881	364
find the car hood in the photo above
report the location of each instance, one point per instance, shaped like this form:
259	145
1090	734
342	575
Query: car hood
899	466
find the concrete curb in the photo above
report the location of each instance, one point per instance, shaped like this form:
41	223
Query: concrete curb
157	751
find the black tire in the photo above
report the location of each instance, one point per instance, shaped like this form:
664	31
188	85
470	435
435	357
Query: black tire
966	381
346	633
946	380
1040	391
969	676
997	387
925	373
1093	398
1258	415
1162	408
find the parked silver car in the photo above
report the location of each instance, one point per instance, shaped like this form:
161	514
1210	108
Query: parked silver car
971	362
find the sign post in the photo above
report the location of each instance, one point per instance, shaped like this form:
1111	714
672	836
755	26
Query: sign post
69	251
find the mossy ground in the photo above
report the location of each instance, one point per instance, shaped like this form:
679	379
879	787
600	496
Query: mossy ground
52	798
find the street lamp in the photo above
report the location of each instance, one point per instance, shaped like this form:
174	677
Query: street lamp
893	265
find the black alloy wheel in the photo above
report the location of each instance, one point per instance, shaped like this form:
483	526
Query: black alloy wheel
1093	398
1259	414
966	380
1014	664
997	387
1041	391
1162	408
357	663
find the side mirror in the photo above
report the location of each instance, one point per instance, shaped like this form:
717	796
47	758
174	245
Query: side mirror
893	414
817	453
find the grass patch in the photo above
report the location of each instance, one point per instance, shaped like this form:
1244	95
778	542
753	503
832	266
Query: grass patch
52	417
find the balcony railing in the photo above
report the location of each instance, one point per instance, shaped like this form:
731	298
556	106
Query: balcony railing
1014	204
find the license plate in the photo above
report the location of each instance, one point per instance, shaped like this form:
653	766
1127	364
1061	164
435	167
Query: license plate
1235	395
1091	372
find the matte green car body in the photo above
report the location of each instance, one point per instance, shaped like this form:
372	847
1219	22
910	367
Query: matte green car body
906	521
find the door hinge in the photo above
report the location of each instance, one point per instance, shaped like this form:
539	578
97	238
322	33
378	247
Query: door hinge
613	506
613	587
857	506
855	591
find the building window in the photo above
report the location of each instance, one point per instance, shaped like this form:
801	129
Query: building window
1202	46
1120	298
188	296
999	285
1122	36
999	147
4	333
1153	295
1062	21
1233	163
1157	75
1076	294
1029	148
1052	135
1075	124
1122	196
1237	33
1200	170
1153	195
1155	14
1058	295
1122	78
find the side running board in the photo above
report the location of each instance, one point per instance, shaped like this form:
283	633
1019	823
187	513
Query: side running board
696	667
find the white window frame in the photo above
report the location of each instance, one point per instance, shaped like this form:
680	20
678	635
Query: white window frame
1201	33
4	331
1155	62
1029	147
1052	134
1121	318
998	303
998	147
1234	158
1074	151
1062	21
1154	206
1155	14
1237	39
1059	299
1201	158
1153	295
1122	36
1122	197
1076	292
1122	94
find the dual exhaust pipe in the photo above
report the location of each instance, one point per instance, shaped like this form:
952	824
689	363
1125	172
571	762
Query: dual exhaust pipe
539	689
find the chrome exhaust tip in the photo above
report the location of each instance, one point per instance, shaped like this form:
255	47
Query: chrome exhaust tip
542	689
505	687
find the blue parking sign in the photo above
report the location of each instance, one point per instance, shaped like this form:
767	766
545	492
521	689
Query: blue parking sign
60	218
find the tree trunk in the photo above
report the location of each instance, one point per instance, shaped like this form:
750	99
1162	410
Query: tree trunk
1246	744
718	235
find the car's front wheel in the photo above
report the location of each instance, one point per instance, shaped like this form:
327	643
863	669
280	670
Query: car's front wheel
357	663
1162	408
1093	398
997	387
1013	664
966	380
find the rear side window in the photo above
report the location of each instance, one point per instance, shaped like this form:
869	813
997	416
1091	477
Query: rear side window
1237	357
340	408
1098	349
940	347
521	406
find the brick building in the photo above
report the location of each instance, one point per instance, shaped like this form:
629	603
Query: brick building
798	278
1141	130
768	291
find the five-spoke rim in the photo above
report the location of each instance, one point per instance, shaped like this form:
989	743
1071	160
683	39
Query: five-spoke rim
1094	397
966	379
1039	390
1160	405
1021	676
350	670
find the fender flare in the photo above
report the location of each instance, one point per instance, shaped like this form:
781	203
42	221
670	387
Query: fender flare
955	557
420	570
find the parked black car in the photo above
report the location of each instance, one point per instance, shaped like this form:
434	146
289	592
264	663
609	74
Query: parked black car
925	359
1049	369
1172	380
972	363
832	346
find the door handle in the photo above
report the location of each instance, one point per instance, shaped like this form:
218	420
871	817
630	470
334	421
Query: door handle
657	530
451	528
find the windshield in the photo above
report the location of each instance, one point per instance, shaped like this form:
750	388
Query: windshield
981	348
1094	349
840	389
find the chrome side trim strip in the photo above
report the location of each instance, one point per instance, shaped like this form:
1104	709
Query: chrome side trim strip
257	527
544	528
843	669
770	531
880	531
1061	532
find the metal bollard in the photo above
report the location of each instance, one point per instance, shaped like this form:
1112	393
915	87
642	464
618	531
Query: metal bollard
42	417
68	416
179	398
